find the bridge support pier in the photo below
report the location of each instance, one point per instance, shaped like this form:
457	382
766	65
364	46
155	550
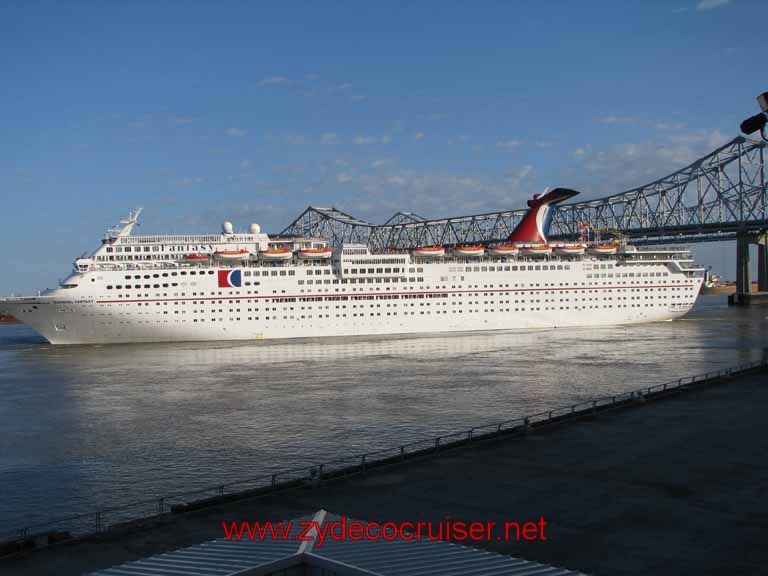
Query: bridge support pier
743	280
762	263
744	295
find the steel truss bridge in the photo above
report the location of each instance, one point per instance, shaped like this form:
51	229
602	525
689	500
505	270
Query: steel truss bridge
716	198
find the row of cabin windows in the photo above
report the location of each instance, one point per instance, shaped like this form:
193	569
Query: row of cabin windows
375	261
629	275
336	281
433	295
411	270
157	248
139	286
530	302
278	272
531	307
166	274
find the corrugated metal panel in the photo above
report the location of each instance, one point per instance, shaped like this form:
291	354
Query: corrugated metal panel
397	557
219	557
405	557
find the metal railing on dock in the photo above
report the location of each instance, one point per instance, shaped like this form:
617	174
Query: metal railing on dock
91	523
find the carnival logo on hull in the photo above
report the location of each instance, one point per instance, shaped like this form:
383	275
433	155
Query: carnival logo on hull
229	279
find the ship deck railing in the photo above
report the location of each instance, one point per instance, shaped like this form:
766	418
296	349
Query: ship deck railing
485	260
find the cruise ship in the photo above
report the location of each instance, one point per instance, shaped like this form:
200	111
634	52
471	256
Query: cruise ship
252	286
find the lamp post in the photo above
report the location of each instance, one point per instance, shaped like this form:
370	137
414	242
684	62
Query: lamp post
758	121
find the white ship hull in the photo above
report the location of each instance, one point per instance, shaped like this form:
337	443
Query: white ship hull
144	289
440	297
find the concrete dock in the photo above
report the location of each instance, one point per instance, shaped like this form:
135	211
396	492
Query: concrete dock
675	486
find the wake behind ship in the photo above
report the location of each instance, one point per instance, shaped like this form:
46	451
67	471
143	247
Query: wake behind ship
246	286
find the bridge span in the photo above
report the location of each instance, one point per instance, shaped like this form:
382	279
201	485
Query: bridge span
721	196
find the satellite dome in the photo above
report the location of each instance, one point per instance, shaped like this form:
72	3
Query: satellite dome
227	227
255	229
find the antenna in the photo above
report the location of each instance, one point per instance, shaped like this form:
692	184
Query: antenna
124	227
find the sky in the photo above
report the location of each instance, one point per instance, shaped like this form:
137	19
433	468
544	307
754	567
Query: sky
251	111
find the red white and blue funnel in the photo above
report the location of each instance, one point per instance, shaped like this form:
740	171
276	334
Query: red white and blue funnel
534	226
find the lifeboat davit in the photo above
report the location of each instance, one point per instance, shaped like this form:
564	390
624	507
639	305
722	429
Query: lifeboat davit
503	250
603	249
429	251
276	254
570	249
471	251
195	257
242	254
536	251
315	253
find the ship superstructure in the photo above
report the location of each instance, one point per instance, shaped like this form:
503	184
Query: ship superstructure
247	286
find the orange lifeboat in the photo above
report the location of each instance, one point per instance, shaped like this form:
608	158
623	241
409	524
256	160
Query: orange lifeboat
195	257
469	251
603	249
315	253
429	251
242	254
536	251
570	249
503	250
276	254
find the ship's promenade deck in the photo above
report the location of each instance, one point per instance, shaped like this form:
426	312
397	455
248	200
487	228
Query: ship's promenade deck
675	486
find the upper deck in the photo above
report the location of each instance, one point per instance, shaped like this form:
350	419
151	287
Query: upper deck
122	251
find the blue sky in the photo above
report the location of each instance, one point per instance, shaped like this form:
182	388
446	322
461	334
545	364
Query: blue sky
250	111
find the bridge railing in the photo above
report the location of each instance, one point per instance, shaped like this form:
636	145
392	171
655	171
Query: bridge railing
94	522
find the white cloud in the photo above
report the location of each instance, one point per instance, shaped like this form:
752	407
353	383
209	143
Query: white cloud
345	86
182	120
235	132
669	126
631	164
579	152
364	140
295	139
245	164
418	136
191	181
291	169
520	174
329	138
311	77
358	98
273	81
433	194
508	144
711	4
617	120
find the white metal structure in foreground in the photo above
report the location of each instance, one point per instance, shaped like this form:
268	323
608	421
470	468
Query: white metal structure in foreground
400	557
180	288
